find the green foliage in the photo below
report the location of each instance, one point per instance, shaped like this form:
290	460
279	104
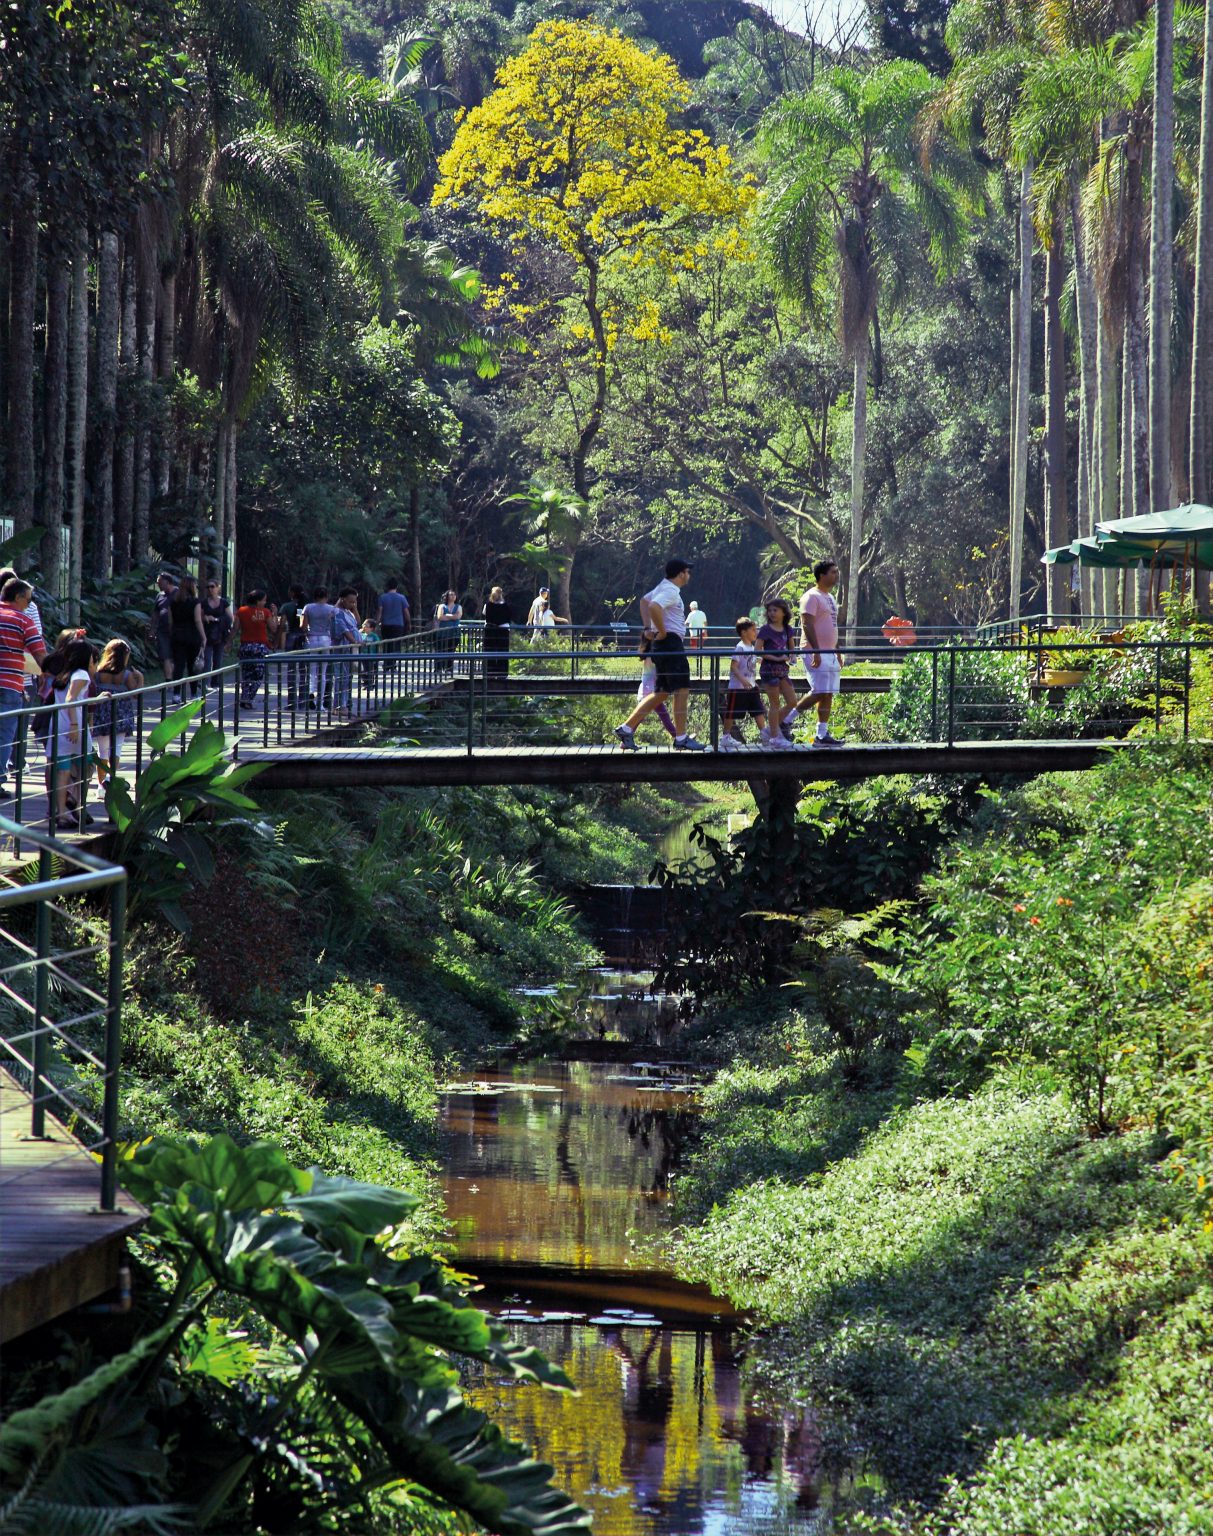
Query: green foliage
353	1405
841	847
1033	941
164	833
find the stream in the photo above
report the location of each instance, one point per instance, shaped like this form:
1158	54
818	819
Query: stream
557	1180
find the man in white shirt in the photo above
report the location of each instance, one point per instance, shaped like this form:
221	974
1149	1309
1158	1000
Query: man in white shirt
664	622
822	660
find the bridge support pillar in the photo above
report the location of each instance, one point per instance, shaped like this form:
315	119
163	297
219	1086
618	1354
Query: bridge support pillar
776	800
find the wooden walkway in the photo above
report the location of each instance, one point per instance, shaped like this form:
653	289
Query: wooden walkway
350	767
57	1249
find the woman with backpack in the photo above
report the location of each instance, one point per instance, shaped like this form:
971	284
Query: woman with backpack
188	633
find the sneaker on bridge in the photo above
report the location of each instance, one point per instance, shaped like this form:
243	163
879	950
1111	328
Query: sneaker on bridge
688	744
626	738
829	740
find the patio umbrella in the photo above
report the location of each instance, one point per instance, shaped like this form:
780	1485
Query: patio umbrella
1113	554
1185	534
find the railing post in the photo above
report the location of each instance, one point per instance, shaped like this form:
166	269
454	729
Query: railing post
1157	689
42	944
934	693
113	1048
951	695
1187	686
714	703
471	709
484	700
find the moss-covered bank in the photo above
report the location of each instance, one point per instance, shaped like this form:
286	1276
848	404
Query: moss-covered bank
980	1243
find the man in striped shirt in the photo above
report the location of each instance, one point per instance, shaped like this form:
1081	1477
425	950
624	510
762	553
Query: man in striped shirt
19	633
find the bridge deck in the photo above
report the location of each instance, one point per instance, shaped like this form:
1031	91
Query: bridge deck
57	1249
348	767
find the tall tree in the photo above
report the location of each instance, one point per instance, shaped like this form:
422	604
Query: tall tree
1161	273
577	154
1201	432
847	184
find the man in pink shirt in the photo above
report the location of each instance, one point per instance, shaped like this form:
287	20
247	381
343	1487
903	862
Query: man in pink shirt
822	660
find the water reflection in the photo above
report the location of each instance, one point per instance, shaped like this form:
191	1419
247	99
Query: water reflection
557	1173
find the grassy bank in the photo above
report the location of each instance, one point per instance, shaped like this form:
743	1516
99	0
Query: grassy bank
960	1169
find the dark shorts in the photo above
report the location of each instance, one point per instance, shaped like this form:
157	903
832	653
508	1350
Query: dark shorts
746	701
773	671
394	631
673	668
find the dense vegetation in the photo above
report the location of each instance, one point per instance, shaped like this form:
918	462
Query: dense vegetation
962	1172
268	287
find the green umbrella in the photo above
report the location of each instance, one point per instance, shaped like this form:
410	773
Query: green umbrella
1184	532
1113	554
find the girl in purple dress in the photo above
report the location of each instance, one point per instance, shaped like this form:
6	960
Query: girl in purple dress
775	644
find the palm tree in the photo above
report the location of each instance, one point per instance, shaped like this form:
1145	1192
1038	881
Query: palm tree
560	518
847	188
1201	441
993	46
1161	275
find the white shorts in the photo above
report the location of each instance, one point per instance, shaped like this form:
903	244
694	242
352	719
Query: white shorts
827	678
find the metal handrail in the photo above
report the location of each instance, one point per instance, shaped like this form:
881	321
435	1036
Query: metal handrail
46	894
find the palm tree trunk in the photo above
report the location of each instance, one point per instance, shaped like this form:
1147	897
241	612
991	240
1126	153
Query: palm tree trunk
859	450
1021	345
54	393
1057	512
1108	431
1084	285
1200	439
22	295
232	537
109	299
166	336
124	467
1135	335
218	501
77	365
145	331
1161	220
415	549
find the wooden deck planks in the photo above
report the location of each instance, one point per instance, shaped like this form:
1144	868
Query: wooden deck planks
57	1249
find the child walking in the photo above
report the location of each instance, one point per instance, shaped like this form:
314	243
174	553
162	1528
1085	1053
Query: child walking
742	696
776	643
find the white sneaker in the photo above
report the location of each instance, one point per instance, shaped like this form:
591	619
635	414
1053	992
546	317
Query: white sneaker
764	736
729	743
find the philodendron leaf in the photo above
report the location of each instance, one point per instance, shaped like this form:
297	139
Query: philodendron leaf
173	726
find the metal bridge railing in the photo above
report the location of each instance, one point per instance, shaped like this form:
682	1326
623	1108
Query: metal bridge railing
60	1036
424	691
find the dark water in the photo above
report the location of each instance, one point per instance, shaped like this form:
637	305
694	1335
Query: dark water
557	1182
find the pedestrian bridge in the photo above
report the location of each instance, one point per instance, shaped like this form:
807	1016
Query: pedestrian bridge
429	716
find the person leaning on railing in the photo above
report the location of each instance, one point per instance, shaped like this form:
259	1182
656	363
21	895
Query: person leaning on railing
19	635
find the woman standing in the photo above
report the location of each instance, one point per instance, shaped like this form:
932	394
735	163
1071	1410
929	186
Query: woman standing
217	623
447	618
69	748
114	712
346	636
497	621
318	630
188	633
256	623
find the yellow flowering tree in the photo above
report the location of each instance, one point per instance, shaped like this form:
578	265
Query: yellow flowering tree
579	150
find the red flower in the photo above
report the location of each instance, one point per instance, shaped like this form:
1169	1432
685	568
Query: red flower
1035	921
1019	907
